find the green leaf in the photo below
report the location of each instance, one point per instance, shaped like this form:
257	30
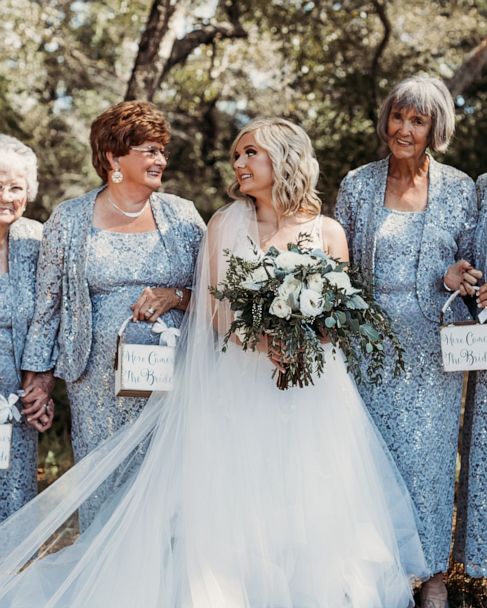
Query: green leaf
370	332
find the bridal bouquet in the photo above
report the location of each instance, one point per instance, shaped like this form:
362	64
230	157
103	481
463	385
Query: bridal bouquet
298	297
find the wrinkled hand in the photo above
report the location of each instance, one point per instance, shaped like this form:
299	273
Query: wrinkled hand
154	302
482	296
462	276
38	407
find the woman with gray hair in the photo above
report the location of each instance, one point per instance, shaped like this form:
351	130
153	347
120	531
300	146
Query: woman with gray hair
410	224
19	249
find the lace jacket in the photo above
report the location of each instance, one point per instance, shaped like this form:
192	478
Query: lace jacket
61	331
24	240
448	233
481	233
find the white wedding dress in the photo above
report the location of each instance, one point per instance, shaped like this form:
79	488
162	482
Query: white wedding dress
247	496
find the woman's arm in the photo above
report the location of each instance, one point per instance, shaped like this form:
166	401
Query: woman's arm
163	299
40	351
334	239
462	275
344	210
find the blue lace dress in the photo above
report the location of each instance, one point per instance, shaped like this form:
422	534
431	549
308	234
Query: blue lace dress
417	413
119	267
18	484
471	537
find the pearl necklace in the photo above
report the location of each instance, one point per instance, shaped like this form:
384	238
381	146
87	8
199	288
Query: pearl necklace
131	214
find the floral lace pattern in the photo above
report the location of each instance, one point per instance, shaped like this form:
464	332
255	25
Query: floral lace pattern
119	267
417	413
471	538
18	484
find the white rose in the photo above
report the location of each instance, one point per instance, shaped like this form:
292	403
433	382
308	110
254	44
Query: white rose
279	308
289	291
310	303
316	282
342	281
290	259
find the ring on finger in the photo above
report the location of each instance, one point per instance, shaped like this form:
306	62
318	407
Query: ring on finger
149	312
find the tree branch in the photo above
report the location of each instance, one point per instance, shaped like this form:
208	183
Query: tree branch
470	70
207	34
159	50
155	47
380	8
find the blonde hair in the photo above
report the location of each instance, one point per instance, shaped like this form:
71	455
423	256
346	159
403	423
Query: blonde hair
428	96
294	166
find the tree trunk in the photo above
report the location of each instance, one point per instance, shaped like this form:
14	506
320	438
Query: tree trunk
155	47
470	70
159	50
381	10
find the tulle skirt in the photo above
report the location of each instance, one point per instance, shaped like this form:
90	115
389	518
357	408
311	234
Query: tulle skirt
248	497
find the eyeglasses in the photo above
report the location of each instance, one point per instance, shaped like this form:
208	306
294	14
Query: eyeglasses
151	152
17	193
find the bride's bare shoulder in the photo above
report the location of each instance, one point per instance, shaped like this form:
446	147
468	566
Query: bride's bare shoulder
334	238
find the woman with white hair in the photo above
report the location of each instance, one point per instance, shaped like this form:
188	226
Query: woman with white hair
248	496
19	249
410	223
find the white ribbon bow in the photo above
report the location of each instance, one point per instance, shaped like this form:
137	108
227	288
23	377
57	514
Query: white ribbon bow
168	334
7	408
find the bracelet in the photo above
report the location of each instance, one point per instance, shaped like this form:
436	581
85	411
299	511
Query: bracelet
179	294
445	285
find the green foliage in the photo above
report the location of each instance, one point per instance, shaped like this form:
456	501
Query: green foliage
296	300
61	63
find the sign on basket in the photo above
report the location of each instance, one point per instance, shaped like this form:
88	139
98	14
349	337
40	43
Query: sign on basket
5	444
8	413
141	369
464	344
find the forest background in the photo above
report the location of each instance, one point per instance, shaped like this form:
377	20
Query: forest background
213	65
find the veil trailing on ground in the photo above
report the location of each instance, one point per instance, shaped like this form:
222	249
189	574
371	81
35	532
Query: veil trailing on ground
235	494
160	424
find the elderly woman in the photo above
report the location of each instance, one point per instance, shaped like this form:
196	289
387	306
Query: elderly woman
471	541
410	222
118	250
19	249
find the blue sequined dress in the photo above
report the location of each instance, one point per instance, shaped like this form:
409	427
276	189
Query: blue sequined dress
471	537
18	484
120	266
417	413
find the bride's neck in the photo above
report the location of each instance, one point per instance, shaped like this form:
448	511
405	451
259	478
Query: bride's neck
266	212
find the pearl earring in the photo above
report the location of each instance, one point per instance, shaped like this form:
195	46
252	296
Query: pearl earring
117	176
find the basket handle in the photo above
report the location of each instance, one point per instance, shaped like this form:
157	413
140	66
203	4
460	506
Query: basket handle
448	303
119	338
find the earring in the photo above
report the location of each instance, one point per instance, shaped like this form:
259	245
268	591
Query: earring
117	176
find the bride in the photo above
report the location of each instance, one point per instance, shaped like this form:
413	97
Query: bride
245	496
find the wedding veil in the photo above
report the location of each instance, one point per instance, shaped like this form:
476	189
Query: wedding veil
146	506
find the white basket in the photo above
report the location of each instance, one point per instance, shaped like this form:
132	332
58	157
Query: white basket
141	369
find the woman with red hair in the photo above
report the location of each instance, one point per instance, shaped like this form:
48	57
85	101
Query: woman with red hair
121	249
